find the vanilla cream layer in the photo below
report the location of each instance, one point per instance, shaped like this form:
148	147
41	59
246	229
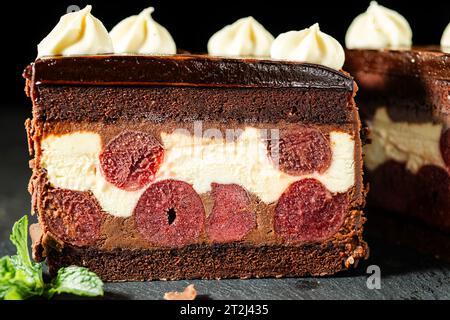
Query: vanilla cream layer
72	162
414	144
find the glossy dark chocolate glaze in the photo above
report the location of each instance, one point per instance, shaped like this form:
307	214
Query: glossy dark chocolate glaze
426	62
184	70
414	84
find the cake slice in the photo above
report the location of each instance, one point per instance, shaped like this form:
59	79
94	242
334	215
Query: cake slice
191	166
404	99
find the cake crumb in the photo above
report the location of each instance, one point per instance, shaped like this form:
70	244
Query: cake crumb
188	294
350	261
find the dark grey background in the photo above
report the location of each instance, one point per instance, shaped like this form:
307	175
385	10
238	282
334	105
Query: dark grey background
405	273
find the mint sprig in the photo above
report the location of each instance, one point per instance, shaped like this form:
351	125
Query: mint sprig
21	278
76	280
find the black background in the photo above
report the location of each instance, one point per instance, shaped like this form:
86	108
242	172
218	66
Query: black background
191	23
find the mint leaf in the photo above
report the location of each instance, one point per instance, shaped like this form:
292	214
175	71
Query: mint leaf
15	284
7	272
77	280
19	237
6	268
15	289
30	275
30	272
20	278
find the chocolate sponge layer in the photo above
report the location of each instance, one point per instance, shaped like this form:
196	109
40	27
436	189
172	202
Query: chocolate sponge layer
160	104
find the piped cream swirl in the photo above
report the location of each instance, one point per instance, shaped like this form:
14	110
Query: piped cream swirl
378	28
245	37
445	40
142	35
76	33
309	45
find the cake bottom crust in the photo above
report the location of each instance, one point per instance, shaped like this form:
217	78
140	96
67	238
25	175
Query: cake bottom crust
211	262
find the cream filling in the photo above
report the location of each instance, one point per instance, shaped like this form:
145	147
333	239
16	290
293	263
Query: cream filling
416	145
72	162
